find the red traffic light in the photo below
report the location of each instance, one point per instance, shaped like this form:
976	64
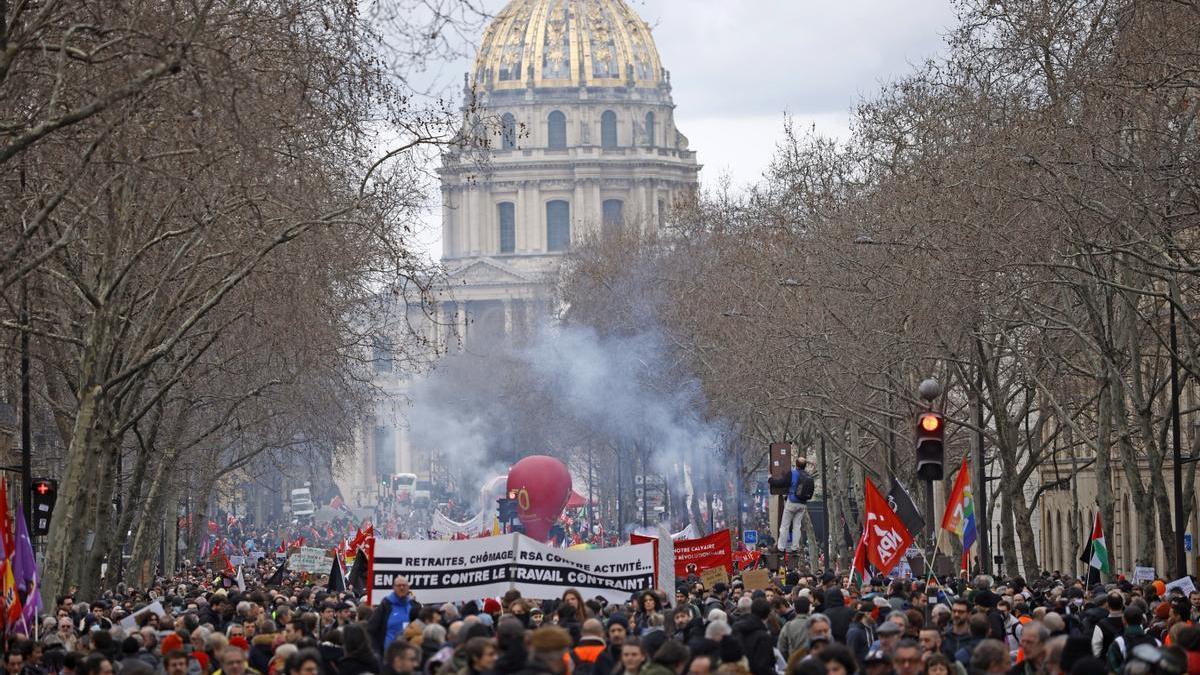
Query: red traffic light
929	422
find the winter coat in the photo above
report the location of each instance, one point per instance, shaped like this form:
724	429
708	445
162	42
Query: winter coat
757	644
793	635
839	614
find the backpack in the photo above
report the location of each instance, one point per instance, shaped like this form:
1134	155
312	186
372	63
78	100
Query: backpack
1126	643
805	486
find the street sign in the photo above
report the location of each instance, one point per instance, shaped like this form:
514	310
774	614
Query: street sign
1187	542
750	537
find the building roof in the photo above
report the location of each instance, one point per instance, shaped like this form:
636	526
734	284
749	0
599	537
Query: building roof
545	44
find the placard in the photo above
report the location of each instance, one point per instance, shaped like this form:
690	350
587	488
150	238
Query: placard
756	579
1184	584
310	559
693	555
155	607
713	576
1143	574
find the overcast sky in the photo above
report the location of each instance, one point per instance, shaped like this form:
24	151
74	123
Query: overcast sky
738	65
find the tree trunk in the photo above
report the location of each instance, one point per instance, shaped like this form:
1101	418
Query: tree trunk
1024	522
1008	541
69	526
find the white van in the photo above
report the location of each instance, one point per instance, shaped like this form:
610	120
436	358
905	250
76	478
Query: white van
405	484
302	503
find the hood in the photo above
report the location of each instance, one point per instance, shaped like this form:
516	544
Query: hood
748	625
834	598
267	641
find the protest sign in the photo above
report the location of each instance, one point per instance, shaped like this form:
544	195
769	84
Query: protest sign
310	559
155	607
1184	584
693	555
1143	574
756	579
744	560
455	571
713	576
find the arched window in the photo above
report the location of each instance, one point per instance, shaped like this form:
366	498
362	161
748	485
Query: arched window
608	129
508	226
613	216
558	225
650	130
556	137
508	132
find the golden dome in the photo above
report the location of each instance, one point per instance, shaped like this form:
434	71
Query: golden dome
567	43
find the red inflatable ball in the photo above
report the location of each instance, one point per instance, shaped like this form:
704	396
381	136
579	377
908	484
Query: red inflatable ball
542	486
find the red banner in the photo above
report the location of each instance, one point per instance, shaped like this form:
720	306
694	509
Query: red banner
746	559
693	556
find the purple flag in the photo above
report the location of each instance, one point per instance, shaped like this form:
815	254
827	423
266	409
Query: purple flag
25	570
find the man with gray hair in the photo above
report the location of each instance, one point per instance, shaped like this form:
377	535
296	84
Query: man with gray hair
819	628
1033	644
717	630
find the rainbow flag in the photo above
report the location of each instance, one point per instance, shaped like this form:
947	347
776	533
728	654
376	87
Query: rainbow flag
959	517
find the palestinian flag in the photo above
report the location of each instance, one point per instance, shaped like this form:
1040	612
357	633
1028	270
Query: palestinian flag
1095	553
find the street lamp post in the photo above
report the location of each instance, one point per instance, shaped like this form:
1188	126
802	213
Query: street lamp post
1177	466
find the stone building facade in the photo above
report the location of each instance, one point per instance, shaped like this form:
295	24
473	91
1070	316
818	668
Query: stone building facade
575	109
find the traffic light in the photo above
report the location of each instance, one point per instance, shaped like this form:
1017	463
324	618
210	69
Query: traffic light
45	495
507	509
931	432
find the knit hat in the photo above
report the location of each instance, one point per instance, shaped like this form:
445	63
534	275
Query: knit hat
239	642
171	642
620	620
491	606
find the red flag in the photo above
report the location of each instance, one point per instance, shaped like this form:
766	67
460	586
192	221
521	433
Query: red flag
886	536
8	585
859	568
6	523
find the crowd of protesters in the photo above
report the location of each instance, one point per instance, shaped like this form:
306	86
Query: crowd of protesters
205	625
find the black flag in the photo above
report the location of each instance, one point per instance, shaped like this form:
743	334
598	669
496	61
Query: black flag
358	572
904	507
277	578
337	580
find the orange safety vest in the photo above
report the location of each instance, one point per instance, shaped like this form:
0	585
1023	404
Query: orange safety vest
588	653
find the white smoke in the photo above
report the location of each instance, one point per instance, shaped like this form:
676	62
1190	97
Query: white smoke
565	387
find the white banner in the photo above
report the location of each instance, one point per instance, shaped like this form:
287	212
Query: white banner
443	571
689	532
472	569
310	559
543	573
443	526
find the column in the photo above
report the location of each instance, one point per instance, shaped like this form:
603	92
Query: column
460	322
447	223
508	317
581	215
534	222
597	204
521	216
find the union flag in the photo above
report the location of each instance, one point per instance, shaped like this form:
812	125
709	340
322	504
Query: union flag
886	536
